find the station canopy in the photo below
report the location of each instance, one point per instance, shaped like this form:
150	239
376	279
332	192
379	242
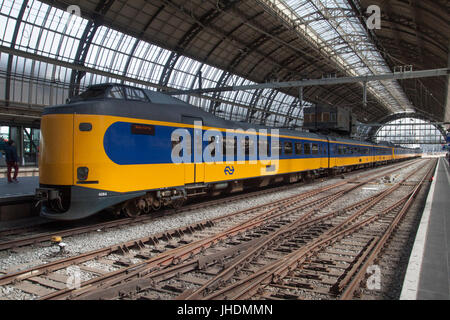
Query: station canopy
49	54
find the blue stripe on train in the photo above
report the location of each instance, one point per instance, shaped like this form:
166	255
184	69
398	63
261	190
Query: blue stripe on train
125	148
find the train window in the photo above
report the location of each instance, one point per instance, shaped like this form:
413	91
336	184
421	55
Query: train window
307	148
315	148
213	151
244	144
287	147
225	141
229	145
116	92
264	144
135	94
93	92
273	146
249	147
298	148
146	129
340	150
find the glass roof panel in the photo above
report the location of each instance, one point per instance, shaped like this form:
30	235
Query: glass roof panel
328	20
54	33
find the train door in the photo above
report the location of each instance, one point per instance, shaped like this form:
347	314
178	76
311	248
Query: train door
331	153
324	155
195	171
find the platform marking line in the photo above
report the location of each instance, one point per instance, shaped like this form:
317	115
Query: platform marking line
447	165
411	283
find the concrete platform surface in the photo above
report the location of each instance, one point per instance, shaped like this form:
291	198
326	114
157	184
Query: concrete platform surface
428	273
26	187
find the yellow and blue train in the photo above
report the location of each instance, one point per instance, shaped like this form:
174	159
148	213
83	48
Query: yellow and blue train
111	148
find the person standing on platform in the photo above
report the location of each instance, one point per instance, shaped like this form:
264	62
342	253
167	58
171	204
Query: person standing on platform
11	159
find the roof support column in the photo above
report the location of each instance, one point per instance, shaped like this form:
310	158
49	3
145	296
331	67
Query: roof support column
85	43
10	56
253	102
225	76
269	102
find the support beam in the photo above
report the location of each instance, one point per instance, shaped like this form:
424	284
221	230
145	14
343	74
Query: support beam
323	82
71	65
13	44
447	95
195	30
85	43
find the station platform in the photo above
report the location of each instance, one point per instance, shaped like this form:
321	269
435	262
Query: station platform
17	199
428	272
11	191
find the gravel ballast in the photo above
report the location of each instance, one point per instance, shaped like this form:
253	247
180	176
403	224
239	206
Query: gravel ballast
35	255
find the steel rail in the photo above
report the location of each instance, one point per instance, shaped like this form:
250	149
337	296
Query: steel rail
380	243
44	237
182	256
280	268
184	252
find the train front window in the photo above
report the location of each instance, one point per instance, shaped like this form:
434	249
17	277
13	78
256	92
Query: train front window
136	94
116	92
97	92
111	92
100	92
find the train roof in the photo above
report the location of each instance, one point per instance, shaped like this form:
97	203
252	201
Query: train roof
168	109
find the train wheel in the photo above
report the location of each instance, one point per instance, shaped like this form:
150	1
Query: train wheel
156	204
131	209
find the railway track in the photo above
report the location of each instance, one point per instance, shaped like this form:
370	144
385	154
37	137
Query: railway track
17	237
32	235
138	260
324	258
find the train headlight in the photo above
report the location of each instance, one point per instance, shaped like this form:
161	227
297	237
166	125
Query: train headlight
82	173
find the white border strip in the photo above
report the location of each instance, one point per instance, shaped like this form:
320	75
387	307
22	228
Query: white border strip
411	282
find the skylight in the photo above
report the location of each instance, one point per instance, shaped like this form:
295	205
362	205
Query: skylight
332	26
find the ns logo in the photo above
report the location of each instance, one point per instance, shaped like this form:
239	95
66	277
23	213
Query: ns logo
229	170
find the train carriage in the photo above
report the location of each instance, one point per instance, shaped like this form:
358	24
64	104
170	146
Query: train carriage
113	147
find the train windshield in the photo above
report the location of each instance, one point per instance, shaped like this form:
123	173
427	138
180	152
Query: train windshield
94	93
111	92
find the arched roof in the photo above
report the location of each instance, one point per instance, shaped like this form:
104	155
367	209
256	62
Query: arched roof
47	55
